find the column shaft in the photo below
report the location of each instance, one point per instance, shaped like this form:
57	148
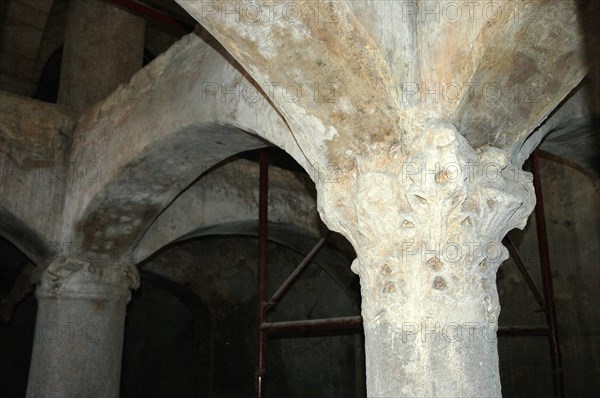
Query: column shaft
104	47
79	331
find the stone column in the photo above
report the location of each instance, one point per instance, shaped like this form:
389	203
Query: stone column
104	47
79	330
427	220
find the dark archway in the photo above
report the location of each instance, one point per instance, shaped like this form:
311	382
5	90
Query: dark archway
166	348
17	318
219	264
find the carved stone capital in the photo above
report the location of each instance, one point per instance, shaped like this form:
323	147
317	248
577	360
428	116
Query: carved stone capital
427	220
67	278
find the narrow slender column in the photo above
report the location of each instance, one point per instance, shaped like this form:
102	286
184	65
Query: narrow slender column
79	330
427	220
104	47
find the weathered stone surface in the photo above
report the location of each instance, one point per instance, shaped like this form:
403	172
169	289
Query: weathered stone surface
326	77
74	279
33	171
23	40
31	15
41	5
538	57
151	138
391	64
103	48
229	194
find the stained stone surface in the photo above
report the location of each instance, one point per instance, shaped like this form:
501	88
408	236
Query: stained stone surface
426	183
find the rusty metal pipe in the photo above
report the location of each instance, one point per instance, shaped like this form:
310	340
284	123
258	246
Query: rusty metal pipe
514	254
150	13
285	286
518	331
344	323
263	208
540	223
355	323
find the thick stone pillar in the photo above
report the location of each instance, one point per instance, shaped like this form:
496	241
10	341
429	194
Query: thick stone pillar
427	221
104	47
79	330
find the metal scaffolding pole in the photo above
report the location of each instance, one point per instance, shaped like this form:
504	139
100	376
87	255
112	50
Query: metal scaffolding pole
285	286
151	13
514	254
263	208
355	323
548	289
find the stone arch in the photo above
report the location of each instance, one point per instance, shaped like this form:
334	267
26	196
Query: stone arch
300	241
228	279
32	171
229	194
392	81
24	253
24	238
148	349
148	141
569	132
